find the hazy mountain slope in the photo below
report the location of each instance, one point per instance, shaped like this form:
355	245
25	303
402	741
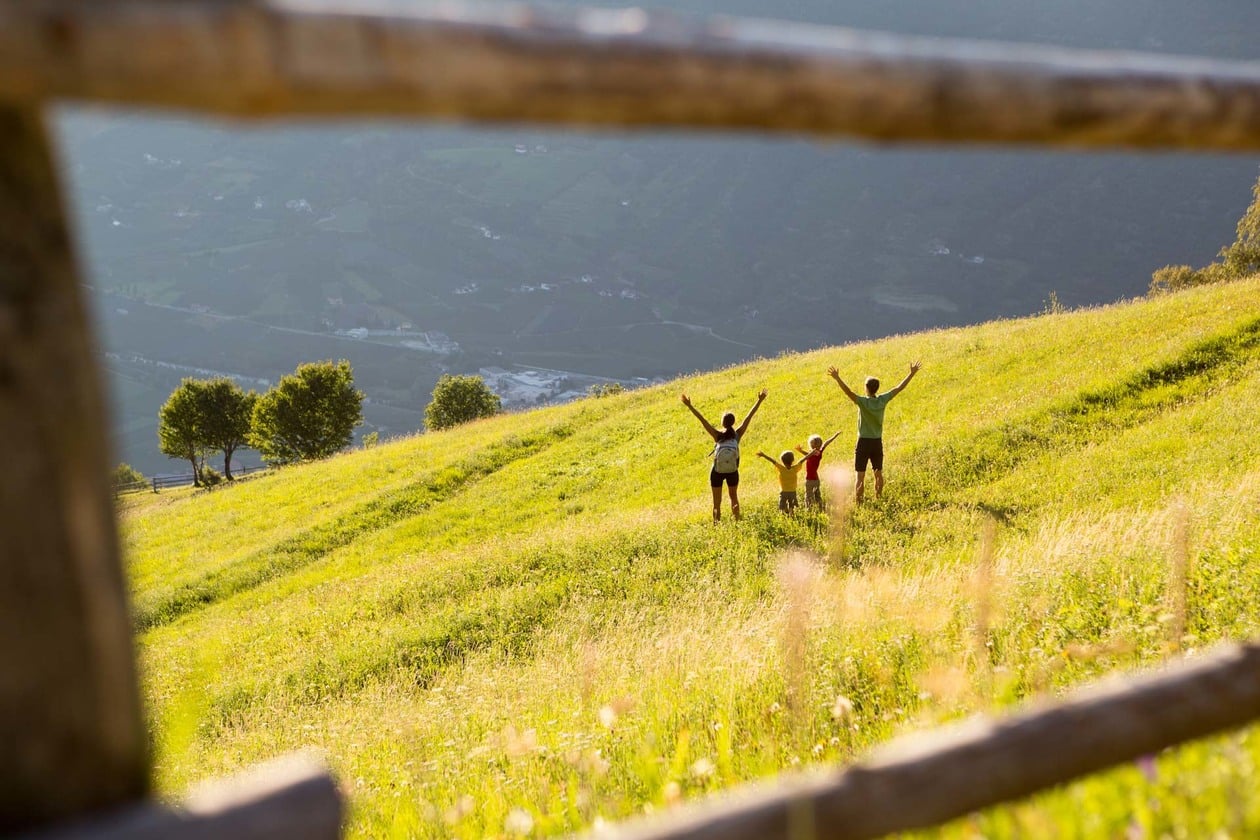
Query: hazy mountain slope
533	613
621	256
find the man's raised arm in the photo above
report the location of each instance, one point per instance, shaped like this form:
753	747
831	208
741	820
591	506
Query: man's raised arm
848	392
914	368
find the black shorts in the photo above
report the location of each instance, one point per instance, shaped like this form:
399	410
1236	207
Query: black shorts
868	449
716	478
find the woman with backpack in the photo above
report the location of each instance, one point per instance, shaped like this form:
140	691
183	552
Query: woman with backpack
725	453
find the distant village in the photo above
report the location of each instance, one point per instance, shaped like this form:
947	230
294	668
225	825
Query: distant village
522	387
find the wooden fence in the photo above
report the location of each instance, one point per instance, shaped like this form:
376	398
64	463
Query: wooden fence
70	716
158	483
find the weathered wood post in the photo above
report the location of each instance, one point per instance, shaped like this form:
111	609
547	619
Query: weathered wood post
70	717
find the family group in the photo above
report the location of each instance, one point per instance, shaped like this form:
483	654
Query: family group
868	452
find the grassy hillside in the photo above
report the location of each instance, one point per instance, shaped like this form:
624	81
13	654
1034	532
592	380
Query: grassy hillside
528	624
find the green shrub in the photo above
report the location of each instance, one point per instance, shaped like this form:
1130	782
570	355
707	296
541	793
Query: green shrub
459	399
606	389
125	474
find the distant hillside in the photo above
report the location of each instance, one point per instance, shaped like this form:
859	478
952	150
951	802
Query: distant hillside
619	256
527	625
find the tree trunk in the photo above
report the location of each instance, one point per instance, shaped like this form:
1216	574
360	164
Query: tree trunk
227	462
70	718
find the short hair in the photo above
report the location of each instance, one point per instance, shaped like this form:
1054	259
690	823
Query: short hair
787	457
872	385
728	419
815	441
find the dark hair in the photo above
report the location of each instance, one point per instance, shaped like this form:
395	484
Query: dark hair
872	385
728	420
787	457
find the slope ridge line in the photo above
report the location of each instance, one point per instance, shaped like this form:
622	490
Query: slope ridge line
315	543
934	472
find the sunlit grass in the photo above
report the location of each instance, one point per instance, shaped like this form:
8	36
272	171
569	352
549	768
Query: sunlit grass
528	625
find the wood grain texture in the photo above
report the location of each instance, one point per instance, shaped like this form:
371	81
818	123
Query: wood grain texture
612	68
70	720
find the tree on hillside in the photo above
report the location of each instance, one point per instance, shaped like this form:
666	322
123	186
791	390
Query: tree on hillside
181	422
1243	257
458	399
310	414
1238	260
227	414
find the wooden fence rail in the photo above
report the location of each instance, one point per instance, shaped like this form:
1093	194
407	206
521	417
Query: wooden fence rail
165	482
625	68
70	718
927	780
290	797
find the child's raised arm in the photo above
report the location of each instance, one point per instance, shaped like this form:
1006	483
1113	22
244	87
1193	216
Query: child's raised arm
827	443
767	457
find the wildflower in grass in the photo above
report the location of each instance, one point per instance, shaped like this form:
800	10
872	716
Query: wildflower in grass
607	717
842	708
519	821
462	808
702	769
671	793
797	574
519	744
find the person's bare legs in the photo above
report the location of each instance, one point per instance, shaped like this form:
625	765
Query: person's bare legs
879	483
734	501
717	504
860	484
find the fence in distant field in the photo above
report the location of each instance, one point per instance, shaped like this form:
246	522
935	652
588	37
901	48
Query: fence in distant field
70	712
164	482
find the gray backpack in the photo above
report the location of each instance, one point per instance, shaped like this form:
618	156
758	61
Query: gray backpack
726	456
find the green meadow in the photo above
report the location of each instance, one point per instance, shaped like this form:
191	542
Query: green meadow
529	626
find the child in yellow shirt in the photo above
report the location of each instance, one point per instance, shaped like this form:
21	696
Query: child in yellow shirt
787	479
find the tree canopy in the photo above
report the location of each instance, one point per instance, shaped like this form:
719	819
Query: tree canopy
203	416
310	414
458	399
181	424
228	413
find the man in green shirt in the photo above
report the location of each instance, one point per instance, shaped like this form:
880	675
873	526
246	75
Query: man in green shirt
870	444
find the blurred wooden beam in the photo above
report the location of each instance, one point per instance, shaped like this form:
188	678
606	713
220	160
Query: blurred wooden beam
624	69
70	724
927	780
289	797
